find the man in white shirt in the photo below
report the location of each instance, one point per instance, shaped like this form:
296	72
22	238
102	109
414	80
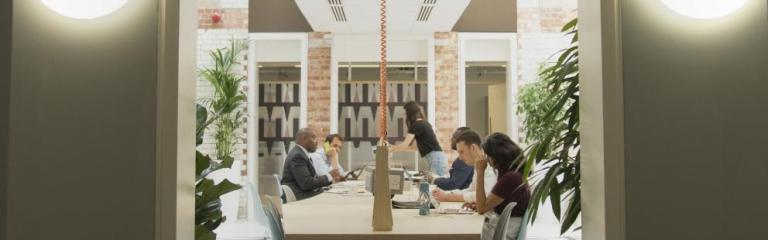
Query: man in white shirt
326	158
465	195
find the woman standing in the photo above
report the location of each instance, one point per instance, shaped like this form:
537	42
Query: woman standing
420	131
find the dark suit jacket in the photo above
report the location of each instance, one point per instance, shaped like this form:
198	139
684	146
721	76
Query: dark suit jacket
300	175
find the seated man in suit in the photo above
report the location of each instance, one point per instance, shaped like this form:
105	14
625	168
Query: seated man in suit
298	172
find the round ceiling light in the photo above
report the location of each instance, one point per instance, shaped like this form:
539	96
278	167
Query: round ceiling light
84	9
704	9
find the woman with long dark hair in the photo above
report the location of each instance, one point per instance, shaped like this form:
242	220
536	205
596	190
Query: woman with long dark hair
504	156
423	135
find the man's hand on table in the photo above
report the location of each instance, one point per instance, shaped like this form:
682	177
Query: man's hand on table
336	176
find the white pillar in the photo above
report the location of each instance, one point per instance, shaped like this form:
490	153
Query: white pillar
303	85
462	63
334	91
431	80
252	141
512	84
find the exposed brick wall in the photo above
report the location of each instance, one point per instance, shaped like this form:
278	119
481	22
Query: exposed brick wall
319	82
539	38
231	18
446	87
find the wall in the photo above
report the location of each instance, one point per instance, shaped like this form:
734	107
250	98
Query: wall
488	16
6	14
538	33
601	111
477	107
276	16
82	159
695	114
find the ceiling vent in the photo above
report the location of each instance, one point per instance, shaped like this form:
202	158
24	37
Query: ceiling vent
337	8
426	10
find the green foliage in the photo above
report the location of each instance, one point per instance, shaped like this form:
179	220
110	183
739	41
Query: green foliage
551	117
228	98
224	111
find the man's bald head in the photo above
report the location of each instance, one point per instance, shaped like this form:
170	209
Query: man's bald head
306	137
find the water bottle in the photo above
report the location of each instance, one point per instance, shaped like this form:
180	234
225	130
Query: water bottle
424	199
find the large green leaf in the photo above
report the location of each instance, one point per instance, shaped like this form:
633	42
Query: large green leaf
224	187
202	118
202	233
573	212
554	198
202	163
570	25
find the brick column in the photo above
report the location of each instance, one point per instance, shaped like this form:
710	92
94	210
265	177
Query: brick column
446	88
538	31
319	82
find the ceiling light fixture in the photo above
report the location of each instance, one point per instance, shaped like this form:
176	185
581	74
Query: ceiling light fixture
84	9
704	9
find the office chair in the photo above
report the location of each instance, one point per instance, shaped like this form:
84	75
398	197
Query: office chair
282	189
522	232
275	225
501	226
258	214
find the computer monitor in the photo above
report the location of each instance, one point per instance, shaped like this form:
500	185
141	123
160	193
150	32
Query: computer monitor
396	179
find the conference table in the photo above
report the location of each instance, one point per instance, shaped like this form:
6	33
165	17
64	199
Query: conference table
345	212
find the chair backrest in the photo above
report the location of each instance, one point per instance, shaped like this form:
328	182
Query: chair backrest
284	189
501	225
256	205
275	224
522	232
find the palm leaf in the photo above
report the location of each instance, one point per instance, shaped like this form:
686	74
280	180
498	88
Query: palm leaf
551	122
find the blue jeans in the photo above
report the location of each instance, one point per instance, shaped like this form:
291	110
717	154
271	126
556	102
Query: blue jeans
437	162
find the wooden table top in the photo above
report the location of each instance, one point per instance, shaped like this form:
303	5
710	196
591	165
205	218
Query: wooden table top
349	216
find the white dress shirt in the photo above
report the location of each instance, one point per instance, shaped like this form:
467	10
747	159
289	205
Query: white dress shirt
490	180
321	162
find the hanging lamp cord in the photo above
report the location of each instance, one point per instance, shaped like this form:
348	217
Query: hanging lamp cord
383	72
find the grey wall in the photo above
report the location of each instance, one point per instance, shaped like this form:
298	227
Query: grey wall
488	16
477	108
5	77
276	16
83	96
696	110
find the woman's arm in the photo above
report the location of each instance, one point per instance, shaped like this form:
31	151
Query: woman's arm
484	204
449	196
409	144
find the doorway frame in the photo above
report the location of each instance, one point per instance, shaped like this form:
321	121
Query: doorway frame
512	81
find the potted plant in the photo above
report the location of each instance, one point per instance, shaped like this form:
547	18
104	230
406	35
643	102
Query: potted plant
224	110
551	124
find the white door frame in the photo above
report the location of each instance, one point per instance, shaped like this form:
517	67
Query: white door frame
511	81
252	142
